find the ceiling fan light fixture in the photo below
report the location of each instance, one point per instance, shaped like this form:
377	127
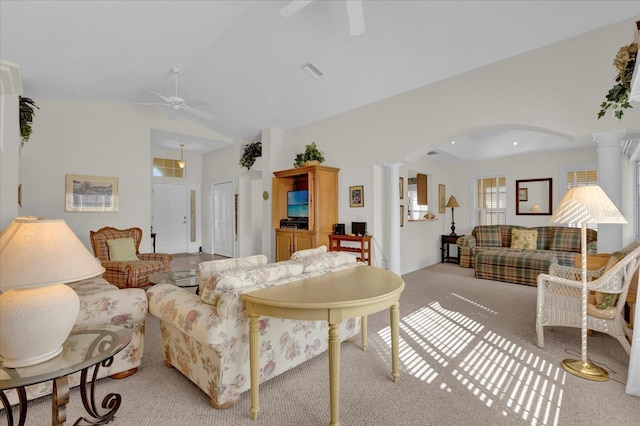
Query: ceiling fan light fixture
181	162
313	71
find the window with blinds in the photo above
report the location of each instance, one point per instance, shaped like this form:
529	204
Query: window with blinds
491	201
582	178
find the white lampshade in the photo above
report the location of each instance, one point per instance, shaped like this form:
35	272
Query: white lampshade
587	204
37	310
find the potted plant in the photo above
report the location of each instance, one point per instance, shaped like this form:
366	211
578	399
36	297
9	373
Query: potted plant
310	156
251	152
27	107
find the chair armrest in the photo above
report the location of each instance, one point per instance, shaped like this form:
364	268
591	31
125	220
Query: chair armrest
156	256
115	265
118	307
187	312
466	241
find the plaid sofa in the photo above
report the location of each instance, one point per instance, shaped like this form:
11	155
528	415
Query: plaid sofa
559	241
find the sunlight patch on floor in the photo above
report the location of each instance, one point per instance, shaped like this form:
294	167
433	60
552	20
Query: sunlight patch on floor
500	373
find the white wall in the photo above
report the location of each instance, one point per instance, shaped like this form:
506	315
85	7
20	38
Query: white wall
101	139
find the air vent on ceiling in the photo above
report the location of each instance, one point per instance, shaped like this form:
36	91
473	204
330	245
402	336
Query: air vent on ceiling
431	153
313	71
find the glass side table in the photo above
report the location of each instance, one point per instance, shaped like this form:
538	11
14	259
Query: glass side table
84	348
186	278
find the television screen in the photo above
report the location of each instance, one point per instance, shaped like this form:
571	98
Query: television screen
298	203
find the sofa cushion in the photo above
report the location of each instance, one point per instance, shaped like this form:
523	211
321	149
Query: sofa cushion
122	249
223	281
566	239
207	269
524	239
487	236
324	261
308	252
607	300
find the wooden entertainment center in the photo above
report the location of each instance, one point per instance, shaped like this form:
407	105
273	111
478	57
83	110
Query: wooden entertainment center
322	185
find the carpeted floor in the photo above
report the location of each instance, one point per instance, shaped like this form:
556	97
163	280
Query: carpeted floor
468	357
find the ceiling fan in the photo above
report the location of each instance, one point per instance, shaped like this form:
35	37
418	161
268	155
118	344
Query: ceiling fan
354	13
178	104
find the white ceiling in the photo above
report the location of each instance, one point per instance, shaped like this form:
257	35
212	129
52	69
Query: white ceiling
245	59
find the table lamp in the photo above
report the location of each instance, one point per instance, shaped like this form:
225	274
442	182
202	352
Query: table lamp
582	205
452	203
37	311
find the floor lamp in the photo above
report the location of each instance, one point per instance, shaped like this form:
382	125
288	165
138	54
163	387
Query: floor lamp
579	206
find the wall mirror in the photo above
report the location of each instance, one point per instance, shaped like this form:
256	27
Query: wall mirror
533	196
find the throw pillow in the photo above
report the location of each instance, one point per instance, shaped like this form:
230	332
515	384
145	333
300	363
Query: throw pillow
308	252
487	236
524	239
607	300
566	239
122	249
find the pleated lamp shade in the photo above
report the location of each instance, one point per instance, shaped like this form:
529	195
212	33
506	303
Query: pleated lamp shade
586	204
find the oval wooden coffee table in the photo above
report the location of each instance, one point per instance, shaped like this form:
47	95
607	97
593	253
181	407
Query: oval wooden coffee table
330	297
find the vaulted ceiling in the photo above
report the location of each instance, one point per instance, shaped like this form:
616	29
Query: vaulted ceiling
246	61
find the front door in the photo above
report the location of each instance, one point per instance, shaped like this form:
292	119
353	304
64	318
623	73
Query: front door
169	217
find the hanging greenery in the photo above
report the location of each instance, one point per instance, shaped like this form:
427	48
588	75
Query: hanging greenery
618	97
251	152
27	112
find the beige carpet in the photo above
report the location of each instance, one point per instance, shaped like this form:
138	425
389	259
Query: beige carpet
468	357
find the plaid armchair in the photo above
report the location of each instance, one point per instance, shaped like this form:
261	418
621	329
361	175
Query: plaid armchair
132	273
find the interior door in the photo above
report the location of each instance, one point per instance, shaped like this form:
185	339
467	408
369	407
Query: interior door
169	217
223	219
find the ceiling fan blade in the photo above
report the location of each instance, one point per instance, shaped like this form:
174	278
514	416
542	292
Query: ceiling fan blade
161	96
356	17
151	104
198	103
198	113
294	7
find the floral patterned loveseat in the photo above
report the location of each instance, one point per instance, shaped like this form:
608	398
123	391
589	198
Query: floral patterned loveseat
102	303
205	336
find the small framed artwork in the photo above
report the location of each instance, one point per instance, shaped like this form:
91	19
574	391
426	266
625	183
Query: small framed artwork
91	194
401	188
523	194
401	216
356	196
441	198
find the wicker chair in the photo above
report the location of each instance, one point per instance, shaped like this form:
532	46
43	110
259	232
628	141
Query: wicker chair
127	274
560	297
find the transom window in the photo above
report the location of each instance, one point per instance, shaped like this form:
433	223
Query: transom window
166	167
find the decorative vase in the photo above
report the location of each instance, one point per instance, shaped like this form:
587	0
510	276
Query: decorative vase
311	163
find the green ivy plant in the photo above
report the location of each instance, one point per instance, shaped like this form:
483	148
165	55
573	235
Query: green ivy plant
251	152
27	112
618	97
311	153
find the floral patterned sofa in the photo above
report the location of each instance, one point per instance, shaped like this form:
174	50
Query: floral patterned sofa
103	303
205	336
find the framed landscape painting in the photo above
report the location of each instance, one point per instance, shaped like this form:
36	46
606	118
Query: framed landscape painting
91	194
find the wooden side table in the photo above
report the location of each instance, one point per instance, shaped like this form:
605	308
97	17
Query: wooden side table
445	240
335	244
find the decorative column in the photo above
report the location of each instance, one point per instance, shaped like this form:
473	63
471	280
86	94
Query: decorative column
393	213
610	180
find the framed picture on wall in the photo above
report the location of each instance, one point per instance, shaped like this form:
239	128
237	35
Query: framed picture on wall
523	194
91	194
401	188
441	198
356	196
